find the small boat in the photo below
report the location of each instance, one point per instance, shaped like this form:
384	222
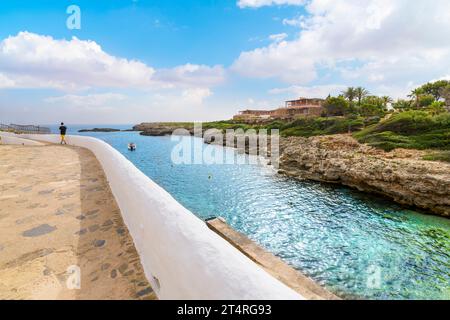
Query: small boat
132	146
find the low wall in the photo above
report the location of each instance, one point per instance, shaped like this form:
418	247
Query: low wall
181	256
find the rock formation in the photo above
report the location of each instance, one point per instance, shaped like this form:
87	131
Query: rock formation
400	174
99	130
159	129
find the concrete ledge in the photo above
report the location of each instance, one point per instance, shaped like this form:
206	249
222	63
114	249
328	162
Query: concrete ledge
273	265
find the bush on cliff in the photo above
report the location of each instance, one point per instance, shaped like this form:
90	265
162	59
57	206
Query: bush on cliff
410	130
438	156
304	127
308	127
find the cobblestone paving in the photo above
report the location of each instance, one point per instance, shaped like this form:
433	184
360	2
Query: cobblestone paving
58	216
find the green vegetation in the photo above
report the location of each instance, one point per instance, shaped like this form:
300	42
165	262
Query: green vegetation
438	156
224	125
420	123
304	127
308	127
337	106
423	122
409	129
429	93
356	102
177	124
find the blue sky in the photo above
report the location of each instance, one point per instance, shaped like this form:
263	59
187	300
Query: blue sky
143	60
160	33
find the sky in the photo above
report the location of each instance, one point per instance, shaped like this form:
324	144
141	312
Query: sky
135	61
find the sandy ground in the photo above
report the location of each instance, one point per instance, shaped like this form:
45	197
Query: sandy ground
61	231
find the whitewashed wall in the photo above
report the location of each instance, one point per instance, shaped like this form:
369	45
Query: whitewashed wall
181	256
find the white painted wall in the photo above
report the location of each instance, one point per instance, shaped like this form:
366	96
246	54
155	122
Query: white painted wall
181	256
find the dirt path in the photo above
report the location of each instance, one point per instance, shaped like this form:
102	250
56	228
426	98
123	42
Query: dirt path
58	219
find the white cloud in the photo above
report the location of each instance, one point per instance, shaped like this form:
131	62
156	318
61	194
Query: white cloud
187	98
195	96
280	59
30	60
386	42
446	77
191	74
262	3
34	60
90	100
310	92
294	22
165	105
5	82
278	37
81	69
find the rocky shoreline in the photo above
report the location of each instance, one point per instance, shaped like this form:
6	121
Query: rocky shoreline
99	130
158	129
401	174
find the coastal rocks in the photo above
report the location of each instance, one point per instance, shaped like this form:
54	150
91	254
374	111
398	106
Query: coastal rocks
401	174
161	129
99	130
244	143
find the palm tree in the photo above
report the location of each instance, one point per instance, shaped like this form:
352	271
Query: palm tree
415	94
386	101
361	93
349	94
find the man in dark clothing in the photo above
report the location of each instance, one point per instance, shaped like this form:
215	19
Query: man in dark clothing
62	130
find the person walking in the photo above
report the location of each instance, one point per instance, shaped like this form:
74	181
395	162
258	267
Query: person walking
62	131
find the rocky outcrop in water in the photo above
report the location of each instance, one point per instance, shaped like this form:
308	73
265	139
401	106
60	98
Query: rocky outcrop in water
99	130
399	174
159	129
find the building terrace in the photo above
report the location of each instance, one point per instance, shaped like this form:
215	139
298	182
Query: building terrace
291	110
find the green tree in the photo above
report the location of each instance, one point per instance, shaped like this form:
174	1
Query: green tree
372	106
336	106
435	88
445	93
425	100
415	95
437	107
349	94
402	105
361	93
374	100
386	101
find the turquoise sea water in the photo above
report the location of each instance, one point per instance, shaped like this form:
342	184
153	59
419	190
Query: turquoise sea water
356	245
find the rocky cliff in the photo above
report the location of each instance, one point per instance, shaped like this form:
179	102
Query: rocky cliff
400	174
159	129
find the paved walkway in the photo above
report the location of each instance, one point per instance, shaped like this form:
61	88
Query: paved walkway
57	214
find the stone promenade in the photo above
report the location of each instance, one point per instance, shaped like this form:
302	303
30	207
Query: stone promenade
60	229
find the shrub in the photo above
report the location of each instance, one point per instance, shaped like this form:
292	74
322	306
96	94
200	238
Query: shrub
308	127
439	156
410	129
336	106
